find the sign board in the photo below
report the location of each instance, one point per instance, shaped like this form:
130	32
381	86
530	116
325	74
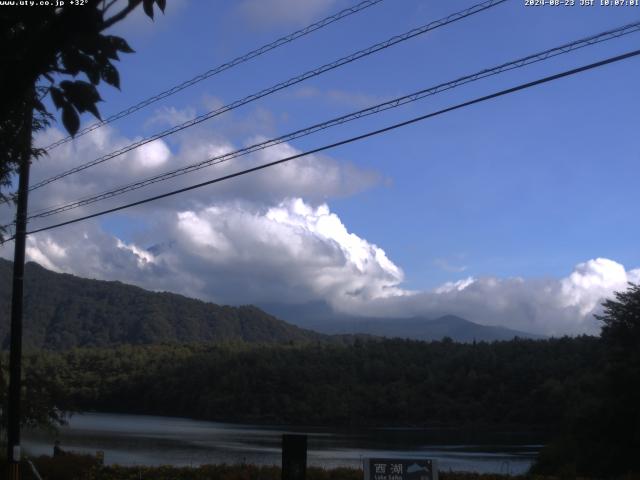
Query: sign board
400	469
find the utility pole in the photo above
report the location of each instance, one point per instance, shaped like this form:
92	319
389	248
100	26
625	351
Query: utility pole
15	354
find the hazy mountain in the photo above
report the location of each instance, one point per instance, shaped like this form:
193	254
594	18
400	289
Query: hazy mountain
64	311
320	317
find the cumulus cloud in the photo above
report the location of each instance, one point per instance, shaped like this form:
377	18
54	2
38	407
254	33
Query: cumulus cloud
171	116
145	161
234	252
245	252
539	305
210	243
151	156
592	281
273	238
315	178
292	251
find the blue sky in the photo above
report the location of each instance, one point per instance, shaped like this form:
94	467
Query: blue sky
527	186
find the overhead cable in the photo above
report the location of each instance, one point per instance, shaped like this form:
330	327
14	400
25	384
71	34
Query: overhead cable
220	68
507	91
454	17
521	62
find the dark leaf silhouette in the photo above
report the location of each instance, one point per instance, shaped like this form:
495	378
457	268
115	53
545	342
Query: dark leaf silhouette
70	119
111	75
82	95
120	44
58	98
148	7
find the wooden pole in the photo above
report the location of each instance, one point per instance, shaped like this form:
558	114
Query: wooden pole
15	353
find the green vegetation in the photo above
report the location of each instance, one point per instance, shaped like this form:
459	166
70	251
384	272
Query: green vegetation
392	382
602	434
247	366
63	311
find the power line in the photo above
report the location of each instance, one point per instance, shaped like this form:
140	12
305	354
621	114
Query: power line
507	91
521	62
454	17
221	68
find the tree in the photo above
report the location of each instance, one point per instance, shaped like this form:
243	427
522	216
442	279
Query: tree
621	329
602	434
621	341
63	52
43	51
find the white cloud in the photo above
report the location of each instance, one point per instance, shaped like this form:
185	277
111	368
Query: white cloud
546	306
171	116
209	243
271	236
238	252
143	256
315	178
456	286
150	156
47	253
246	252
291	247
593	280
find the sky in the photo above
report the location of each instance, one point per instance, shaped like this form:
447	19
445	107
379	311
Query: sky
519	211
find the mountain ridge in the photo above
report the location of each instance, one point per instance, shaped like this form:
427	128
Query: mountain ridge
319	316
64	311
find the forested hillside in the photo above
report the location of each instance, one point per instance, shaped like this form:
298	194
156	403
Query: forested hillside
64	311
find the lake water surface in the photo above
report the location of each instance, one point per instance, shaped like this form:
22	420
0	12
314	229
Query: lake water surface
148	440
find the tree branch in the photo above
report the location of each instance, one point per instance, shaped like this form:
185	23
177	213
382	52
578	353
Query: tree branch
108	6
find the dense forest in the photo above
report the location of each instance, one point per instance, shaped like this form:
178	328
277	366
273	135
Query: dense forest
582	392
392	382
571	390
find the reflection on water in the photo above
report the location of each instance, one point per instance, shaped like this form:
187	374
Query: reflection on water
147	440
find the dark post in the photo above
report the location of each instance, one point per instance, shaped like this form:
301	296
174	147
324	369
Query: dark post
294	457
15	355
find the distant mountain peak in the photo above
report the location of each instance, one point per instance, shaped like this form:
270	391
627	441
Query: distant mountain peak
319	316
65	311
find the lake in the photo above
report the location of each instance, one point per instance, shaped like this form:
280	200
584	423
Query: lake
149	440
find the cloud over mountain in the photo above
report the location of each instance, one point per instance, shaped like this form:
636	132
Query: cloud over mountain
549	306
272	236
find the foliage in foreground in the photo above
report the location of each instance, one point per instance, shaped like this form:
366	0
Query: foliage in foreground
602	436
